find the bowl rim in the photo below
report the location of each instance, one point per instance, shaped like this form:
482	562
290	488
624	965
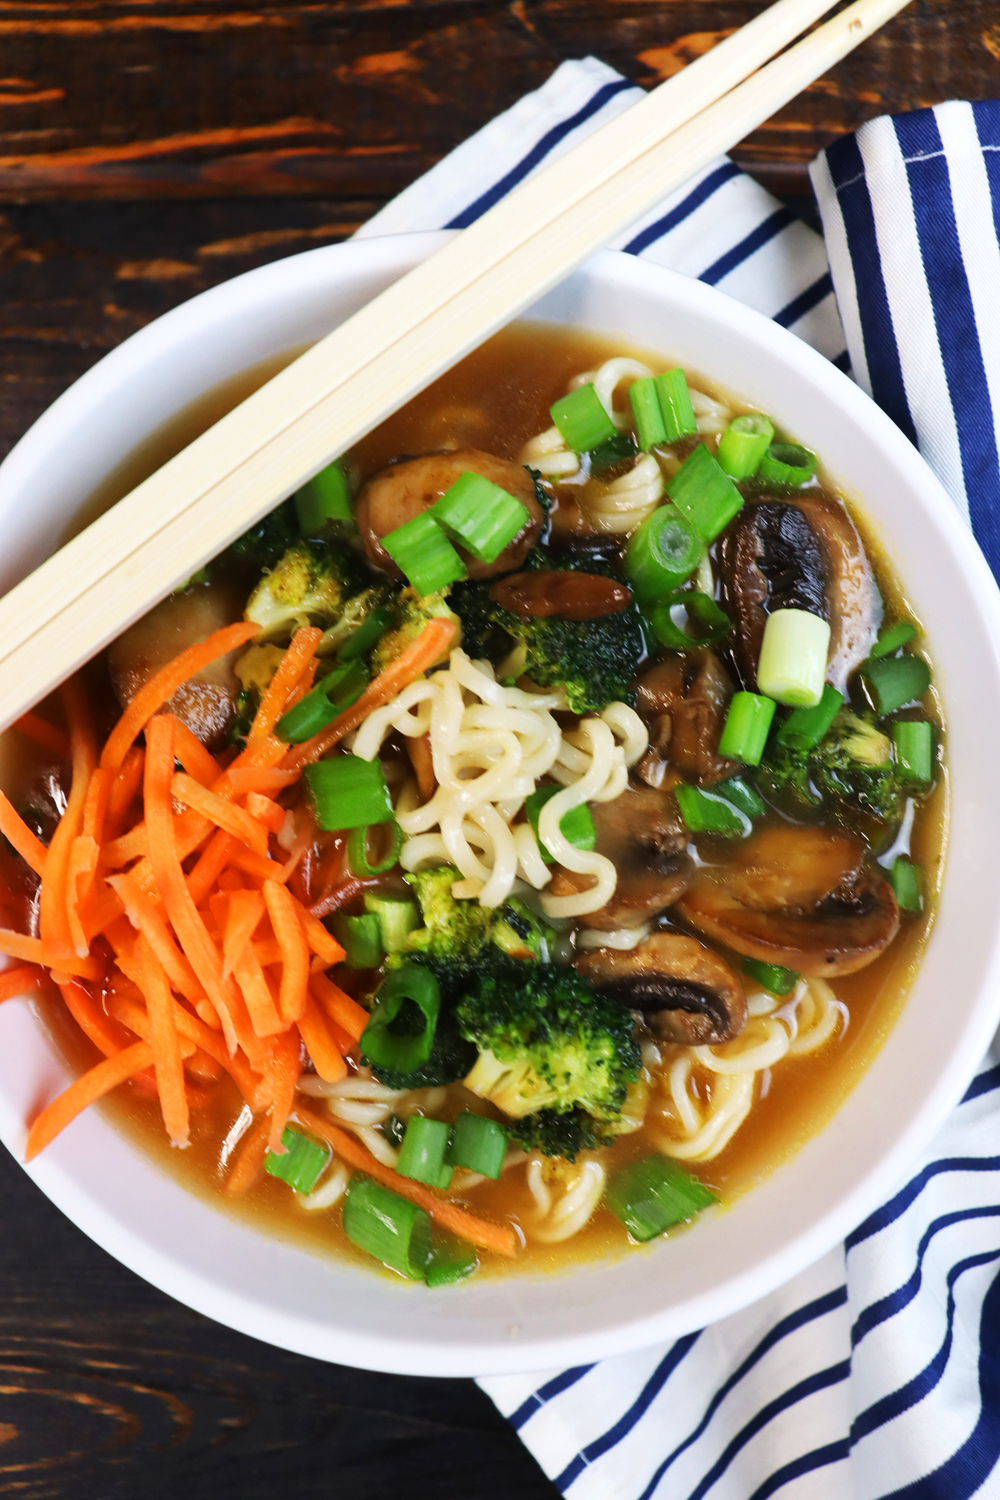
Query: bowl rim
404	1354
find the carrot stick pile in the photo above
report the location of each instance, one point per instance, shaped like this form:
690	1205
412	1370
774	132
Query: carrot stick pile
166	920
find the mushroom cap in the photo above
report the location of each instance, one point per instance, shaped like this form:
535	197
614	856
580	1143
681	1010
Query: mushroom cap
410	486
686	992
684	700
643	835
796	896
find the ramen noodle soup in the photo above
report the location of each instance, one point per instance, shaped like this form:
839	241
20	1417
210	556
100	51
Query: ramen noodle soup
507	851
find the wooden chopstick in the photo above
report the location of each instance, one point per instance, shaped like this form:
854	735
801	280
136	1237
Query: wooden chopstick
184	514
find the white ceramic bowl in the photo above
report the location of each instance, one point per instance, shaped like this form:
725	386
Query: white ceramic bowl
294	1299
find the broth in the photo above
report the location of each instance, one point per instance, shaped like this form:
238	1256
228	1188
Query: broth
496	400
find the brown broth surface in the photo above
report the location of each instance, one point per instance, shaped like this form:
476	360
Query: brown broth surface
495	399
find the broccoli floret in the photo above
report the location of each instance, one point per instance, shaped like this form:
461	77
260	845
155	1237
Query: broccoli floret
459	929
264	543
555	1134
546	1040
247	704
308	585
412	612
595	660
356	610
850	773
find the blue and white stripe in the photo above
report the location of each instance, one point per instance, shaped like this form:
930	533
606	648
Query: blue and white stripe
875	1373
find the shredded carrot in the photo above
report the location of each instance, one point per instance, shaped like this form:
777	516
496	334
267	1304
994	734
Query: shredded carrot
80	872
101	909
53	920
294	949
211	863
16	831
125	788
271	814
418	748
432	642
31	950
303	685
500	1238
348	1014
259	869
166	1046
326	1058
282	1078
200	1065
222	813
244	910
93	1085
250	1160
146	916
164	684
289	671
90	1016
193	756
265	1017
21	980
45	734
240	781
209	1041
321	942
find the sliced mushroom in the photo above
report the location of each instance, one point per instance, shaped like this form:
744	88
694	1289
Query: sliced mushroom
641	832
801	554
684	701
207	701
686	992
403	490
799	897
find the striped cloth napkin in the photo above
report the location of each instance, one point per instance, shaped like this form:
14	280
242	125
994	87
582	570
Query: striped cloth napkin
877	1371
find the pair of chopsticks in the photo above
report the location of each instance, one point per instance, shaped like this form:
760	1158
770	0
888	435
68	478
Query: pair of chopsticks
188	511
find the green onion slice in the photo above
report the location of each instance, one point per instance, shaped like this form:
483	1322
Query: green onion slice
744	443
705	494
480	516
420	549
451	1260
787	463
914	742
891	639
582	420
576	826
326	497
371	629
704	812
792	664
395	1231
422	1154
644	400
741	795
653	1193
906	879
771	976
396	918
805	727
675	405
478	1143
700	610
360	939
357	850
662	553
748	723
301	1163
348	792
387	1048
337	691
893	681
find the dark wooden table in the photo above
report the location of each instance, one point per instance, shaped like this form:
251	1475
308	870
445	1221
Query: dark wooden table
148	149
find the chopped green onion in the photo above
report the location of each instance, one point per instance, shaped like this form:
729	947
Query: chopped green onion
907	879
348	792
805	727
793	653
914	742
699	608
890	640
741	795
337	691
704	494
747	726
357	850
361	940
451	1260
675	405
772	976
744	443
607	456
300	1164
391	1049
787	463
480	516
478	1143
576	826
397	918
422	1153
421	551
582	420
645	402
395	1231
893	681
704	812
662	553
371	629
653	1193
325	497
